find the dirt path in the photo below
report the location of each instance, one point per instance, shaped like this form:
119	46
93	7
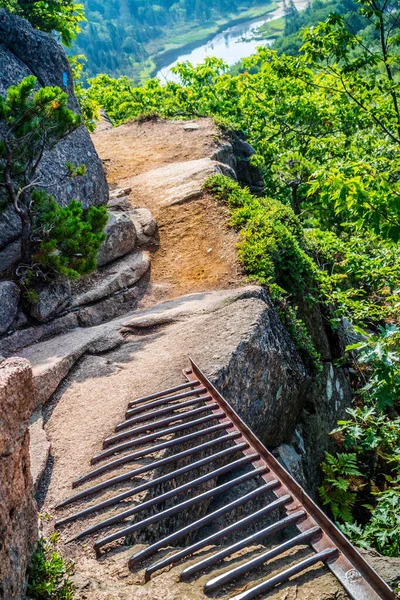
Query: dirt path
196	248
196	254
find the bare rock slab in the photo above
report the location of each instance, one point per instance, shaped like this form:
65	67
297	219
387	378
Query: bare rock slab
52	360
178	182
52	299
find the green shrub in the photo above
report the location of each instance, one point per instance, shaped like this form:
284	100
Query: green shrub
271	253
49	576
383	530
69	238
271	246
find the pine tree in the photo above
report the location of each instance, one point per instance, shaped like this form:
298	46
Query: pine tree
32	122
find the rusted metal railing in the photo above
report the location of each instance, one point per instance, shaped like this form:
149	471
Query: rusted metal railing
196	410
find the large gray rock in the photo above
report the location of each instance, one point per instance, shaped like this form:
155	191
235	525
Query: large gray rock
26	51
121	238
251	359
123	274
52	299
32	335
145	225
9	255
9	299
10	224
177	183
247	174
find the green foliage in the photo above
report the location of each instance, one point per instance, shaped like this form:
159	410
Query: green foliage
383	530
380	354
296	329
270	250
62	16
90	108
49	576
69	238
360	275
35	119
372	435
342	480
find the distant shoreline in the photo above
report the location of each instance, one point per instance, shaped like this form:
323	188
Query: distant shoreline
163	59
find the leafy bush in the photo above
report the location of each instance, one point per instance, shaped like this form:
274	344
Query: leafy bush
90	108
371	436
342	480
383	530
49	576
359	275
55	241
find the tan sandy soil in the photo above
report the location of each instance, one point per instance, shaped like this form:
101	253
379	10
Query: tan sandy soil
196	248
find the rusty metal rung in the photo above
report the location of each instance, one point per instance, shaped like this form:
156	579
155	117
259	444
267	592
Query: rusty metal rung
196	525
279	503
142	453
149	484
180	423
322	556
150	405
159	434
249	541
258	561
172	390
159	412
241	462
152	466
178	508
158	424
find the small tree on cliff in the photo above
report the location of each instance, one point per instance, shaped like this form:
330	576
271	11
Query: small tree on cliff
62	16
54	240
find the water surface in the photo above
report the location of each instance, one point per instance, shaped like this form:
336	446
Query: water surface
232	44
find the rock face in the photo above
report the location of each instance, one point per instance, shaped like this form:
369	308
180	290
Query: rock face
9	299
237	154
26	51
237	339
18	514
121	238
51	300
121	275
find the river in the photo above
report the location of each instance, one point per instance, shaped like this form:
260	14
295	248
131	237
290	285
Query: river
232	44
